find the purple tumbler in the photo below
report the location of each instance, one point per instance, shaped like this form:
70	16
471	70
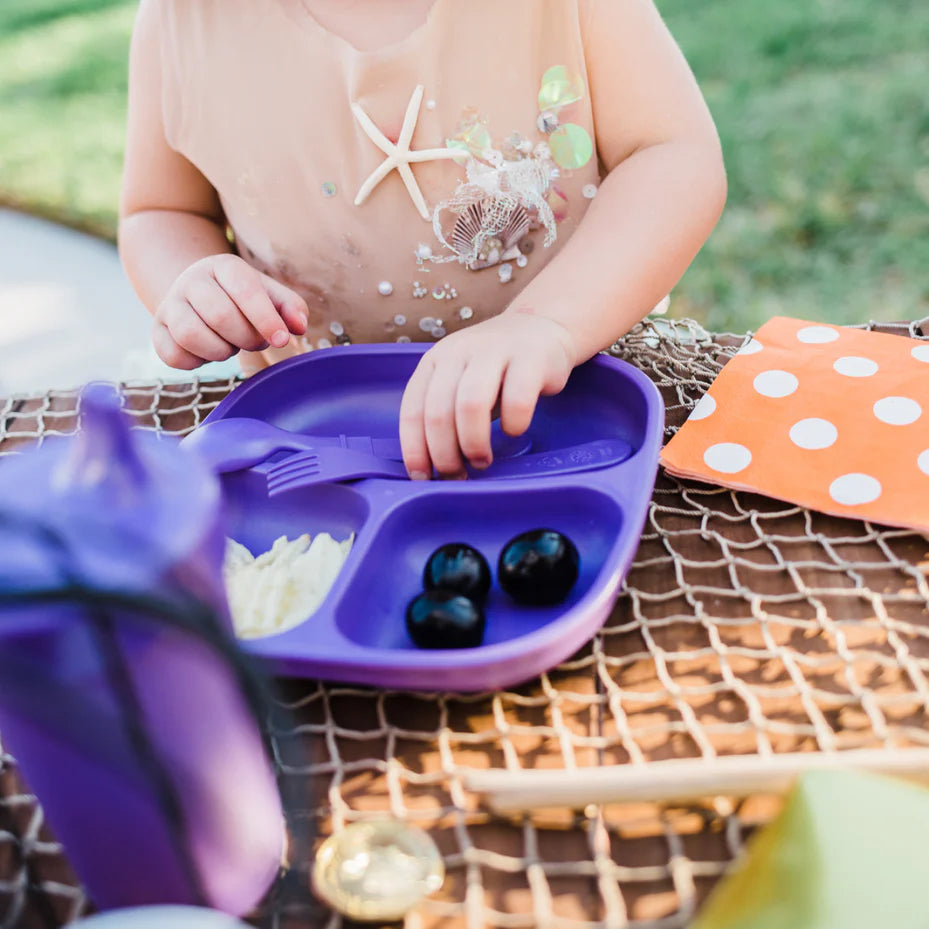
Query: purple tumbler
122	694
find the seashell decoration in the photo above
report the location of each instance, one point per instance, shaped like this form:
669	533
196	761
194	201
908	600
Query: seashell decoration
489	232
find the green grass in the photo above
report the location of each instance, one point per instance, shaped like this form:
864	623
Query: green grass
823	106
62	107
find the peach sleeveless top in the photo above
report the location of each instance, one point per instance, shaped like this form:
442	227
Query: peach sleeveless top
404	192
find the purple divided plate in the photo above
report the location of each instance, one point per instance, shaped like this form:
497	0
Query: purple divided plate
359	634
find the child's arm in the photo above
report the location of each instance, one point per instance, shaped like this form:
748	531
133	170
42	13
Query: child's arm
207	303
664	193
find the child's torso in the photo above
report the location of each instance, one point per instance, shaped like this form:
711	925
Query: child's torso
288	120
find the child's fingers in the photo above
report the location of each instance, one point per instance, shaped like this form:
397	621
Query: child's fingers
170	352
522	385
478	390
245	287
194	335
439	417
215	307
412	423
291	306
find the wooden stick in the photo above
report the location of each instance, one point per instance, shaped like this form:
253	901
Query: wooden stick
681	780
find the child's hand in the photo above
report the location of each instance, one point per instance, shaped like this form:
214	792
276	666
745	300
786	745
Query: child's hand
446	410
219	305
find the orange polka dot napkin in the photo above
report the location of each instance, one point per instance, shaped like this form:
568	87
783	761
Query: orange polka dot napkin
829	418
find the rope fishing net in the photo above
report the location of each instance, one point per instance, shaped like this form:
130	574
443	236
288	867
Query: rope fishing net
746	626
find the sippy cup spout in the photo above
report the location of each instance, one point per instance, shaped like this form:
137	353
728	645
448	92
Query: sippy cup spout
103	452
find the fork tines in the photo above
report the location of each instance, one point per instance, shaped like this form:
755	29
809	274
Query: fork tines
291	471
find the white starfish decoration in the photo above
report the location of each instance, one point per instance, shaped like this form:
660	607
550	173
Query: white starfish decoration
399	156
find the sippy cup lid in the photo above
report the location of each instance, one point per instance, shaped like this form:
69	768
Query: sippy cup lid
127	505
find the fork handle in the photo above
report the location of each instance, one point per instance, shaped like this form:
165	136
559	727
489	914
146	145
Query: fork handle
588	456
378	469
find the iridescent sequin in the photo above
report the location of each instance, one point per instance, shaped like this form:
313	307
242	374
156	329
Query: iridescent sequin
329	189
399	320
589	191
438	332
522	261
560	87
403	339
324	343
473	137
506	273
427	324
571	146
336	328
465	313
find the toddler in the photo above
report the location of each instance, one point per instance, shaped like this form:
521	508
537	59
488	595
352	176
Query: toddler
516	181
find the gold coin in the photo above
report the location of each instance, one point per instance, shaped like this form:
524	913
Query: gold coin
377	870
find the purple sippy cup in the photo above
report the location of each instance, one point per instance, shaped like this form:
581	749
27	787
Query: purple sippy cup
132	713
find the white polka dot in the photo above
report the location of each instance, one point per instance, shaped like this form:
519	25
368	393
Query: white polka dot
813	433
897	411
817	335
727	457
923	461
855	489
705	406
751	347
776	383
855	366
921	352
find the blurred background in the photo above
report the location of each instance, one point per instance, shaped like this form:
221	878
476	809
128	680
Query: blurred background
823	107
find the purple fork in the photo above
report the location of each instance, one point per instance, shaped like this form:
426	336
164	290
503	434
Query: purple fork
333	465
329	465
236	443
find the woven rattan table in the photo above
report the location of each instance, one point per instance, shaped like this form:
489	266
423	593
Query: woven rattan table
746	626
